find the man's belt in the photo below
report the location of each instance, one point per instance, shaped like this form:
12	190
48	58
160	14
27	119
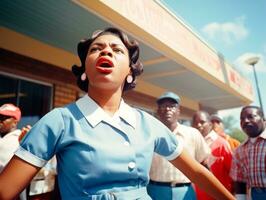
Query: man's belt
169	184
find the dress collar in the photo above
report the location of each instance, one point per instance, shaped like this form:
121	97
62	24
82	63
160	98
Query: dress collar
95	114
263	134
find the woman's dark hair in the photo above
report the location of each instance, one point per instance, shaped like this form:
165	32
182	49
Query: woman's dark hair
135	65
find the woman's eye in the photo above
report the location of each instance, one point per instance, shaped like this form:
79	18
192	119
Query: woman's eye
118	50
93	49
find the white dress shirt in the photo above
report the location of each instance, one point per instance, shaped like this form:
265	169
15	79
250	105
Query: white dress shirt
8	145
163	171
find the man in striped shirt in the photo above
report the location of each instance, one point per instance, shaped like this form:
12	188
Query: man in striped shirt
249	160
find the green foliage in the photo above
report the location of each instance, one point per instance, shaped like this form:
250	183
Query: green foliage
229	123
231	127
238	134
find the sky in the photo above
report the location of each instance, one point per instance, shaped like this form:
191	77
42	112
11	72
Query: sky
234	28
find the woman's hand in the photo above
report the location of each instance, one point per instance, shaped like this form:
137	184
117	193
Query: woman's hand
24	131
201	176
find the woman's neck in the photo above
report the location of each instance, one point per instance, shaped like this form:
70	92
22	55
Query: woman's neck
109	101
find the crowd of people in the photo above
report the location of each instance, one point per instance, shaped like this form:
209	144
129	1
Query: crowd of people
106	149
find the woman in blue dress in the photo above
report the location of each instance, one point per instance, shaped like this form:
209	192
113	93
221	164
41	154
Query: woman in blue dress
103	146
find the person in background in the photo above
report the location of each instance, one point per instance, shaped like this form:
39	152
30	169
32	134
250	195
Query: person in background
9	118
218	127
42	186
103	146
9	135
221	155
167	182
249	159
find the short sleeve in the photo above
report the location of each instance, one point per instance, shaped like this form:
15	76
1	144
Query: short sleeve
42	141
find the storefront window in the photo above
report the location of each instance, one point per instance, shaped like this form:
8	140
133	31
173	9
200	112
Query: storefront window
33	98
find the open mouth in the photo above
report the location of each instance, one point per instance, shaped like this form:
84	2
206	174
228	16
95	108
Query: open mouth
248	126
104	65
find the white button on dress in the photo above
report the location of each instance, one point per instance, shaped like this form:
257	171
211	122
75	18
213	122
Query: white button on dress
131	165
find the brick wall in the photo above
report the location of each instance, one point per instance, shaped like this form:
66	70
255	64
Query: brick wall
64	94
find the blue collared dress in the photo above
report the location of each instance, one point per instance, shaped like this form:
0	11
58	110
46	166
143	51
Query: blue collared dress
99	157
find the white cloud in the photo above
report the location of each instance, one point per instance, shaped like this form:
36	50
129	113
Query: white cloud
242	66
228	32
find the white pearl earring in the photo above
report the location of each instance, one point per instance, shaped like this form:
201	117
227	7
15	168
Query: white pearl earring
83	77
129	78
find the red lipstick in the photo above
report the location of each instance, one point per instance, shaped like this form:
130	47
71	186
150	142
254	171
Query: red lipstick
104	65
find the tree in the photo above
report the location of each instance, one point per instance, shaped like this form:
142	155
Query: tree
231	127
238	135
230	123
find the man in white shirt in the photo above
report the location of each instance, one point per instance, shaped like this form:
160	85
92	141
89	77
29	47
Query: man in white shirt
9	118
166	182
43	183
9	135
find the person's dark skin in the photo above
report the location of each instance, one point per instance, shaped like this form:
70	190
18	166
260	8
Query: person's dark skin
218	127
201	121
253	124
7	124
168	112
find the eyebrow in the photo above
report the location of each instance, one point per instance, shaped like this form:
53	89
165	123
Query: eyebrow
97	44
112	44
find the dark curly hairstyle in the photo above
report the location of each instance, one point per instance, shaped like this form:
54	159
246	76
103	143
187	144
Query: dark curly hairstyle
135	65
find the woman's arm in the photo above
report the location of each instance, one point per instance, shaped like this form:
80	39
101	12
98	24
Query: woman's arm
201	176
15	177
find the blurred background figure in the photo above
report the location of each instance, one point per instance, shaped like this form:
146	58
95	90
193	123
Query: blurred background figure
43	185
220	160
10	115
167	182
9	118
249	160
218	127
